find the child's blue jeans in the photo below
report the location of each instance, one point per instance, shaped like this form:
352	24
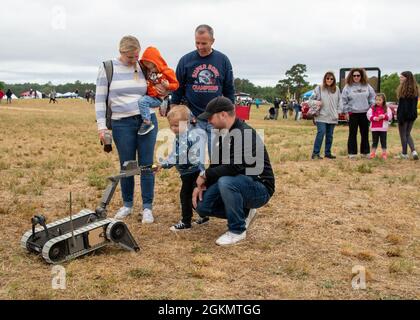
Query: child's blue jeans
146	103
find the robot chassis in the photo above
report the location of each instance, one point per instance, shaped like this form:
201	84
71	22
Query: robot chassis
85	232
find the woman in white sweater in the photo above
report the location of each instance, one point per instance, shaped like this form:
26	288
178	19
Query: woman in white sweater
327	98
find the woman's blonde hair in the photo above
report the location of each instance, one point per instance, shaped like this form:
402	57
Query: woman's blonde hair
179	113
129	44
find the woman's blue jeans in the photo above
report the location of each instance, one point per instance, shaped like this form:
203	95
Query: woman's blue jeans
130	147
324	130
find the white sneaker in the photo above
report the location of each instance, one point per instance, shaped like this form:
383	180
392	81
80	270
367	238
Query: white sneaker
415	155
148	216
123	213
353	156
229	238
402	156
251	217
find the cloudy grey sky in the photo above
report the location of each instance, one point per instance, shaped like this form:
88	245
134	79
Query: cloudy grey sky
61	41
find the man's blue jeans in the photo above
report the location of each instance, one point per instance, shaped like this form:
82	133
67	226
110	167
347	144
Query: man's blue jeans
231	198
131	146
324	130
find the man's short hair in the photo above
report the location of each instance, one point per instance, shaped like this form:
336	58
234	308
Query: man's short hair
204	28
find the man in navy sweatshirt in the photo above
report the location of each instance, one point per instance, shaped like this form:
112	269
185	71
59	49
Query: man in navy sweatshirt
203	75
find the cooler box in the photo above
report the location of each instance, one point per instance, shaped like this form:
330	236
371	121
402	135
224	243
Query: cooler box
243	112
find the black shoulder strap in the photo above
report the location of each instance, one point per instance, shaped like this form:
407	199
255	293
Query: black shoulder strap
109	70
144	70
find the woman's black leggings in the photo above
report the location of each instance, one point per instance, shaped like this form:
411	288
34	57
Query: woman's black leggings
405	135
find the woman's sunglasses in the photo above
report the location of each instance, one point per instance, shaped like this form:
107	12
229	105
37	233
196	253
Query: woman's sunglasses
356	76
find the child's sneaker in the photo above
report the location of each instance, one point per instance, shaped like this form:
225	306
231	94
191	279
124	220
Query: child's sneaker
181	226
201	221
415	155
373	155
384	155
145	128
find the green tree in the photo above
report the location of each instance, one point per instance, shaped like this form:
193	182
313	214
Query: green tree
389	86
2	85
244	85
295	80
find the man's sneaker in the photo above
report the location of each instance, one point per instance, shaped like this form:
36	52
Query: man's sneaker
123	213
148	216
402	157
230	238
181	226
201	221
365	156
353	156
145	128
251	217
415	155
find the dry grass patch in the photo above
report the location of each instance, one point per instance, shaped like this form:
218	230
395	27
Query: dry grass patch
325	218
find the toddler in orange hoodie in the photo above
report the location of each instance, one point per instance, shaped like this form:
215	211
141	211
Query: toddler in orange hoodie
157	72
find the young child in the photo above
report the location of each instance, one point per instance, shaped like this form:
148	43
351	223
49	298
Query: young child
188	157
379	115
157	72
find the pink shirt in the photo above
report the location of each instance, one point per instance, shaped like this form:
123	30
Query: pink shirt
380	125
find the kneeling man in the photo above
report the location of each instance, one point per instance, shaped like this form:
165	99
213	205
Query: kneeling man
240	177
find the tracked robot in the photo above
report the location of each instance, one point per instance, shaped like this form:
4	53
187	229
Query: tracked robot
85	232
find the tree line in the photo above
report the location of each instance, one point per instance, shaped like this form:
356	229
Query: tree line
19	88
293	85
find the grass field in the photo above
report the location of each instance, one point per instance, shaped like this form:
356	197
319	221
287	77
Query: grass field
325	218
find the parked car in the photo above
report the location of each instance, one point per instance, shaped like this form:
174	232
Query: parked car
394	107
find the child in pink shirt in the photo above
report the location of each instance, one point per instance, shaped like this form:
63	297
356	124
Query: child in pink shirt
379	116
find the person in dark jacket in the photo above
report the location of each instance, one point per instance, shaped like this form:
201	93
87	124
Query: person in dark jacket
276	108
240	176
408	95
9	95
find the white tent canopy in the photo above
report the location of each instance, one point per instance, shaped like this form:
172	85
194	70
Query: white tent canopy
68	95
13	97
31	95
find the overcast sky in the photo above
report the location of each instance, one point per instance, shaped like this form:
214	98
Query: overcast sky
63	41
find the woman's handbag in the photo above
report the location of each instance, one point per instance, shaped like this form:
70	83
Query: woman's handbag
314	110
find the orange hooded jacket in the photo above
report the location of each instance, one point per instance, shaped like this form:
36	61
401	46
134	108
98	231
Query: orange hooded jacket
152	55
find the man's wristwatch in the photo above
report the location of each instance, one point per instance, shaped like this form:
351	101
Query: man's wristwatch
203	174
